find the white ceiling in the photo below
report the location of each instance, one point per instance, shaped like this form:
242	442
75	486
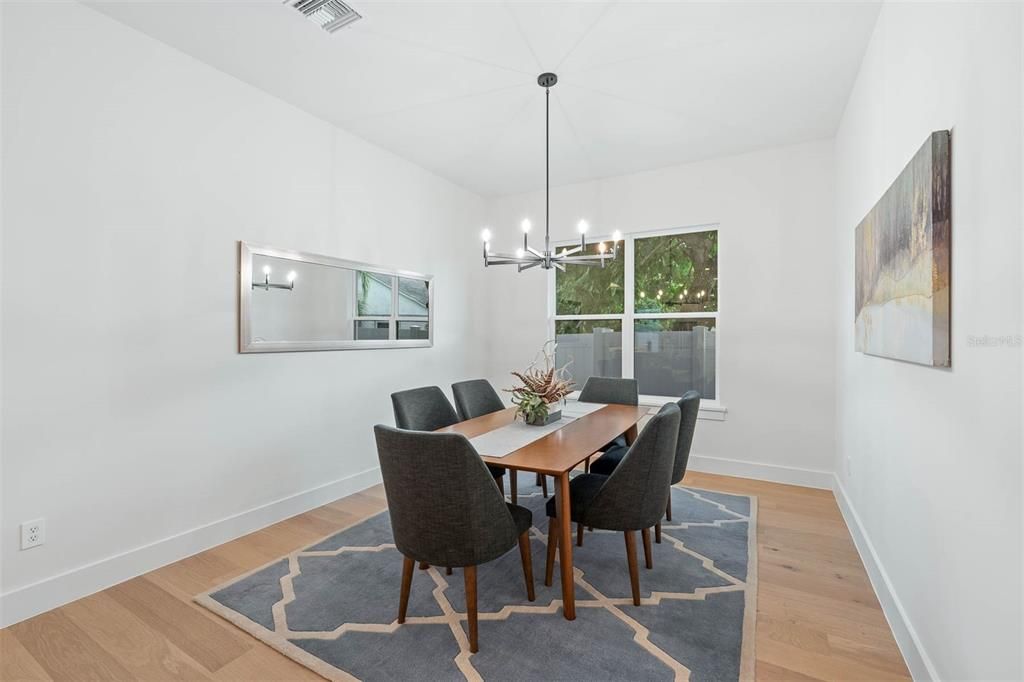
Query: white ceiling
452	85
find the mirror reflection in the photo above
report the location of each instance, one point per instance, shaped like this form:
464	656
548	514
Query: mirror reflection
310	302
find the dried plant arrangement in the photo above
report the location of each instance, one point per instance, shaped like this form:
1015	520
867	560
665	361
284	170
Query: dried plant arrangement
541	387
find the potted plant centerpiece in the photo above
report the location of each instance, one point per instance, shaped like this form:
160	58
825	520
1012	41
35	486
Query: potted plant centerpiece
541	389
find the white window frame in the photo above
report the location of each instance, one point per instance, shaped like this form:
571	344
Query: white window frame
710	409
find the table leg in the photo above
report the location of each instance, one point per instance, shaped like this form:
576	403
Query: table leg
631	434
565	548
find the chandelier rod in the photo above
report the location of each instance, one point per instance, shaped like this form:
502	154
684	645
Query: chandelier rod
547	169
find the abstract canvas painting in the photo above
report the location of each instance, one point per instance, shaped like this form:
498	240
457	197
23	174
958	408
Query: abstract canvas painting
903	263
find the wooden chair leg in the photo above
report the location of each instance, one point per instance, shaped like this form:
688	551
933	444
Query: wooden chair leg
544	485
513	484
657	532
470	576
552	547
634	576
579	534
448	570
424	565
648	559
403	601
668	510
524	554
501	484
586	465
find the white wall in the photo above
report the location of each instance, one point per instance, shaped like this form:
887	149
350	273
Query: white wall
776	268
930	460
130	172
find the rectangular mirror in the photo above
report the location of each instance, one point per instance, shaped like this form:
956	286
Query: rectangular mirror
293	301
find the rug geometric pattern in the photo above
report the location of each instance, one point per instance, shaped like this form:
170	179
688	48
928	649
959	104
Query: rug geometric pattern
332	606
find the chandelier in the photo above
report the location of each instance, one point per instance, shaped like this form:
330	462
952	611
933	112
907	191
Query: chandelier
528	257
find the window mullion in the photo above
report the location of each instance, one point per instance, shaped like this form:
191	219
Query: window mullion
676	316
628	284
552	302
393	323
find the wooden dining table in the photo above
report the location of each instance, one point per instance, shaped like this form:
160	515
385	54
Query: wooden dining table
557	454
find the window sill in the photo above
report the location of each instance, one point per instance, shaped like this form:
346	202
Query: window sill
709	410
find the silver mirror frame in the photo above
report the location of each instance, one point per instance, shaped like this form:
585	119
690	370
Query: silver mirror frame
246	251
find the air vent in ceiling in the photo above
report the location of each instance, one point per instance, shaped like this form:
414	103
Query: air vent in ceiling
330	15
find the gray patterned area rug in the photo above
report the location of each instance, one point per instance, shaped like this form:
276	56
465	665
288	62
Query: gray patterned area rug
332	606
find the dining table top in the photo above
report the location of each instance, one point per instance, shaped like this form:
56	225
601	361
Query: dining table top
562	449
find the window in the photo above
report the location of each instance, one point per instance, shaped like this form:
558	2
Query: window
663	292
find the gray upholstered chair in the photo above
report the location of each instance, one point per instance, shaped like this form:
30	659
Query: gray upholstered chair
475	398
446	510
610	390
423	409
689	407
633	498
427	409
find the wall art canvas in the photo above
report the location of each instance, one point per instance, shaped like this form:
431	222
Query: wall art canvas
903	263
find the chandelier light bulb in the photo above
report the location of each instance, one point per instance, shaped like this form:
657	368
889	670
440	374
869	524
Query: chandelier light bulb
266	269
602	247
582	226
525	225
685	292
485	235
660	292
291	276
617	236
680	297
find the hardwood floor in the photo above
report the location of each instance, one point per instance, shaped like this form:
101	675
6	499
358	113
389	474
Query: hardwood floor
817	616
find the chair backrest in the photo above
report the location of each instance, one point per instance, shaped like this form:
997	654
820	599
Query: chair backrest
610	390
636	493
476	397
423	409
445	507
689	407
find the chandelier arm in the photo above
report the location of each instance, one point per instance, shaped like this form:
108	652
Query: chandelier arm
511	261
513	256
585	263
528	266
569	252
558	265
535	252
589	258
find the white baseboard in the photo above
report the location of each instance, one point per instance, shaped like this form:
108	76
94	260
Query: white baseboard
809	478
30	600
917	659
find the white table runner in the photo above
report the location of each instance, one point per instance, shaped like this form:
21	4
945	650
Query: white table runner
576	409
511	437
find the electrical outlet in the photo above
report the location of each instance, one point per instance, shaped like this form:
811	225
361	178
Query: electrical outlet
33	533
